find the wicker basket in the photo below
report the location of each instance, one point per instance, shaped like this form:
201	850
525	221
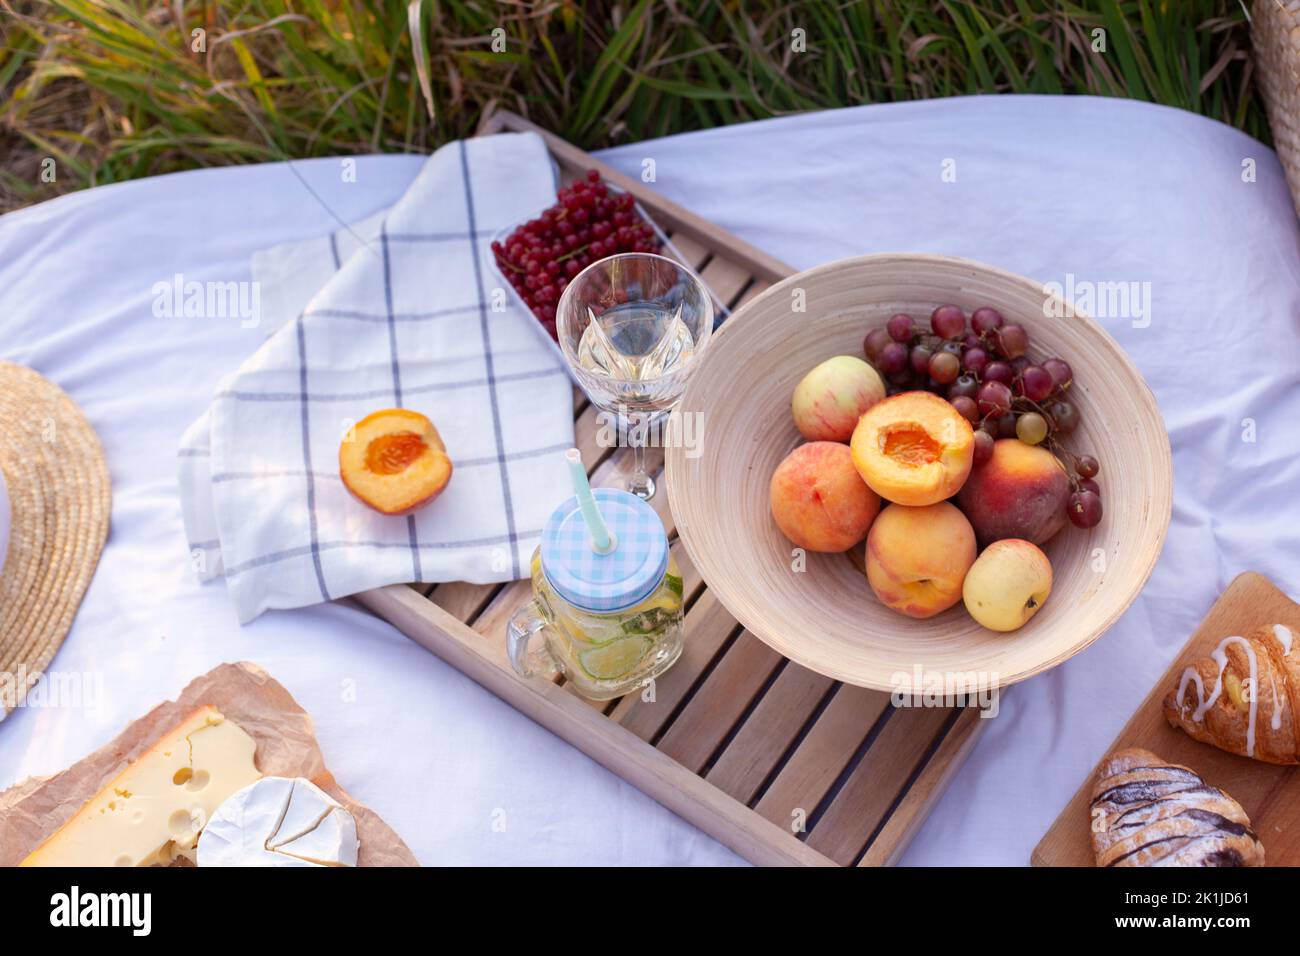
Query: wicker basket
1275	31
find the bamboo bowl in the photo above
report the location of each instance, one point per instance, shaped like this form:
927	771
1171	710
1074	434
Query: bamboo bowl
825	617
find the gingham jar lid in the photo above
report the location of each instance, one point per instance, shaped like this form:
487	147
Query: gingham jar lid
605	582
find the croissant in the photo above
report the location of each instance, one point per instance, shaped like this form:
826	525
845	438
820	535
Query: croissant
1146	812
1244	698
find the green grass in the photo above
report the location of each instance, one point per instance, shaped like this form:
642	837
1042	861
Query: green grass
112	89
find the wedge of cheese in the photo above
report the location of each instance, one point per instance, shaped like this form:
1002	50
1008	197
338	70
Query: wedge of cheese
280	821
155	809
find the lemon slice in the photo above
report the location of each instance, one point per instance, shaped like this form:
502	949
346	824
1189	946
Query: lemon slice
616	659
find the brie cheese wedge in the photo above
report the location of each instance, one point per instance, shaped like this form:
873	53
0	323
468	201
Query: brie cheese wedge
278	821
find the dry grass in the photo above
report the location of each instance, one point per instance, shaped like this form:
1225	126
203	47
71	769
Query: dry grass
115	89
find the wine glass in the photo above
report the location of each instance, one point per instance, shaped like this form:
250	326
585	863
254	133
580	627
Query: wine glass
632	327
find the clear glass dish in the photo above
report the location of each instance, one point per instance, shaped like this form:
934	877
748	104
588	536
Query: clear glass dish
668	249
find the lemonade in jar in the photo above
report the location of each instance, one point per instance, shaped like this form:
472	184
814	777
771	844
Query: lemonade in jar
607	597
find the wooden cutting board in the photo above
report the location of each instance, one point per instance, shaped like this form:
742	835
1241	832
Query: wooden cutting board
1269	794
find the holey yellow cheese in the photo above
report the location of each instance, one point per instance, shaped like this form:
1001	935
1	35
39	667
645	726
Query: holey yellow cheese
154	810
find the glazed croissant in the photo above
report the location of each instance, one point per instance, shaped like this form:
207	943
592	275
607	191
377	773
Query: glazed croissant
1244	698
1146	812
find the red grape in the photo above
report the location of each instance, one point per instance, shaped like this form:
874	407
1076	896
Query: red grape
893	358
900	327
1006	425
920	360
1084	509
1038	383
966	407
965	385
994	398
1087	466
975	359
1060	371
998	372
875	343
944	368
983	446
948	321
1088	484
985	319
1064	416
1013	341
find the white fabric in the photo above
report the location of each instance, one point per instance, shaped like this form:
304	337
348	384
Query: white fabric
1104	189
394	312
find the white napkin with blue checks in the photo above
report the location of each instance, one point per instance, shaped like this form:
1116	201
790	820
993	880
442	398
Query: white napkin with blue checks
401	310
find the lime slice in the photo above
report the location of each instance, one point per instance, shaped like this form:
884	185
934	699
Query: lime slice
674	584
653	619
616	659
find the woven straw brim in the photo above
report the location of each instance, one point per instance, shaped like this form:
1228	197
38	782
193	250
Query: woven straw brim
1275	33
59	493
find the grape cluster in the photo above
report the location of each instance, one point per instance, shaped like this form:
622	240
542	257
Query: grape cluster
587	222
985	372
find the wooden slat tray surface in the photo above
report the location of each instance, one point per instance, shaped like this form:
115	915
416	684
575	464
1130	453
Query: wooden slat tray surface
780	764
1269	794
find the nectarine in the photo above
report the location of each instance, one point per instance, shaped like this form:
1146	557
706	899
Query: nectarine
913	449
818	500
1007	584
832	397
1020	492
917	558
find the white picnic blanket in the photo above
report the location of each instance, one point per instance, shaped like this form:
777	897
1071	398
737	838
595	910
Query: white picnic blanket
399	310
1139	192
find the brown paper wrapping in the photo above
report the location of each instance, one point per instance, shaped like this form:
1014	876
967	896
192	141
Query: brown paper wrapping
286	747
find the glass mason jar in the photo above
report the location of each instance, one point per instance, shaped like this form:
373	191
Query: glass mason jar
608	622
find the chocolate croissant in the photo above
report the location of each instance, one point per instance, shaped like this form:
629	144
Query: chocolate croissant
1244	698
1146	812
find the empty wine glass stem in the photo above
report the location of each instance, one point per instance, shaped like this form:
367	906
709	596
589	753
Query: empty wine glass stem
639	483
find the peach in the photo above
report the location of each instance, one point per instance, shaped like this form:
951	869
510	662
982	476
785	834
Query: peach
913	449
818	500
1007	584
394	461
832	397
917	558
1020	492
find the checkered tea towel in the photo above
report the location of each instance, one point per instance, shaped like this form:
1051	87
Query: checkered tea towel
396	311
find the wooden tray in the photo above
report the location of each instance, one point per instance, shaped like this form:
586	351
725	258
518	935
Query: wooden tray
1270	794
739	741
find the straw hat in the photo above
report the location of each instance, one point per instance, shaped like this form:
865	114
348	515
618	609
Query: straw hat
1275	34
58	488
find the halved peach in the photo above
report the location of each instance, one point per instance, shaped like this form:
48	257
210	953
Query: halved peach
394	461
913	449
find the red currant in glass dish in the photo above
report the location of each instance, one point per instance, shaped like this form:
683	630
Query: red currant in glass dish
588	221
